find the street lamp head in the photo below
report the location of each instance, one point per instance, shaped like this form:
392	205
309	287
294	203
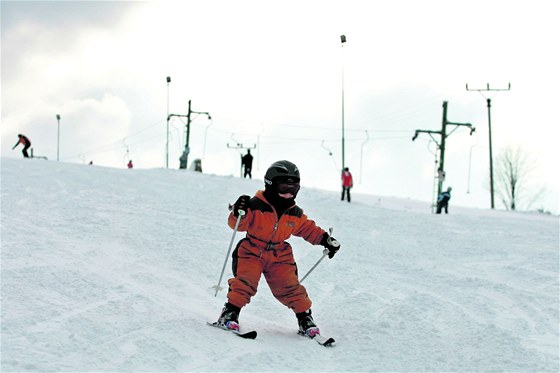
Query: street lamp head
57	116
168	79
343	39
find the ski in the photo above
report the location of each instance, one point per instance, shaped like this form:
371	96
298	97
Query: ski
323	341
246	335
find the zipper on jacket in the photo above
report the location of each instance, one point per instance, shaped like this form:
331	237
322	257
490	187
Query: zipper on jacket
275	229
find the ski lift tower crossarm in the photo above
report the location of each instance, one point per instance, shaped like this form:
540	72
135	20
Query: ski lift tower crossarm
169	116
239	146
443	135
184	158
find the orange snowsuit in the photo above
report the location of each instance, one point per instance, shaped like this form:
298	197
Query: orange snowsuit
264	251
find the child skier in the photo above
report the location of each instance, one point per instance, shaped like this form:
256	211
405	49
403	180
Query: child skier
271	217
443	201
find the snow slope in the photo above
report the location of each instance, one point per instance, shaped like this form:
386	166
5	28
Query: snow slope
110	270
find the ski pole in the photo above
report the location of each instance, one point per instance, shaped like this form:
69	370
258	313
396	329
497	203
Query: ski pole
325	252
218	287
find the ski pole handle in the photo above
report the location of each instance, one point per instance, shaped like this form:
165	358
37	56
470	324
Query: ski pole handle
218	287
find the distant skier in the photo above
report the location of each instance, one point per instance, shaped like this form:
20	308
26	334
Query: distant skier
130	165
247	164
271	217
26	144
347	183
443	201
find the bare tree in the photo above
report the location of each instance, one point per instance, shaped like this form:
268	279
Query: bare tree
514	169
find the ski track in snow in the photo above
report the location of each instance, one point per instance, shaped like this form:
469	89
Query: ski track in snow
111	270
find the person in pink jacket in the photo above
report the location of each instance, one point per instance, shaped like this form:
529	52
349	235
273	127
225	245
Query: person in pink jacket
347	183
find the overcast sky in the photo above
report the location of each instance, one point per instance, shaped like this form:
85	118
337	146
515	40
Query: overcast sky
270	74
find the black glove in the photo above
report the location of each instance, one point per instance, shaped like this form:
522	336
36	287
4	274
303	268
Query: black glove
242	203
330	243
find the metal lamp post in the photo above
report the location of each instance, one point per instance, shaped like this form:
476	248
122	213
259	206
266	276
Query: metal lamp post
167	130
58	138
342	41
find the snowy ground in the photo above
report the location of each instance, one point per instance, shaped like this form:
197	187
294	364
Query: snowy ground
110	270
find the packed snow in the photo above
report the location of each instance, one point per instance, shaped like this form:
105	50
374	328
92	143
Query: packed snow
109	269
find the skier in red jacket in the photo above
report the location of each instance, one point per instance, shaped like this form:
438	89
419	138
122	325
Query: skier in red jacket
26	144
270	218
347	183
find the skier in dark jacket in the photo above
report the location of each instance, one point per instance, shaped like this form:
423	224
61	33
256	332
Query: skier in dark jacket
247	163
443	201
270	218
26	144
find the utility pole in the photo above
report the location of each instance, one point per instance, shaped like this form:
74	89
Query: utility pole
183	159
441	144
185	156
489	105
58	138
168	79
240	146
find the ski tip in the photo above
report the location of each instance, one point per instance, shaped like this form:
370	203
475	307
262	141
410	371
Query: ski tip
248	335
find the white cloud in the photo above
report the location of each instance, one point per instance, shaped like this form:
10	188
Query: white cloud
272	73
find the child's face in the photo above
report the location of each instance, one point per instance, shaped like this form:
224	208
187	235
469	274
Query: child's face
287	188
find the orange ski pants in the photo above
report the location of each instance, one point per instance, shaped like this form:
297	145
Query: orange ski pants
251	259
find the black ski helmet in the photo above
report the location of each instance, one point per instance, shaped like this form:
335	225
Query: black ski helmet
281	169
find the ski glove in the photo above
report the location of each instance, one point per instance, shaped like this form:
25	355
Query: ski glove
242	203
330	243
